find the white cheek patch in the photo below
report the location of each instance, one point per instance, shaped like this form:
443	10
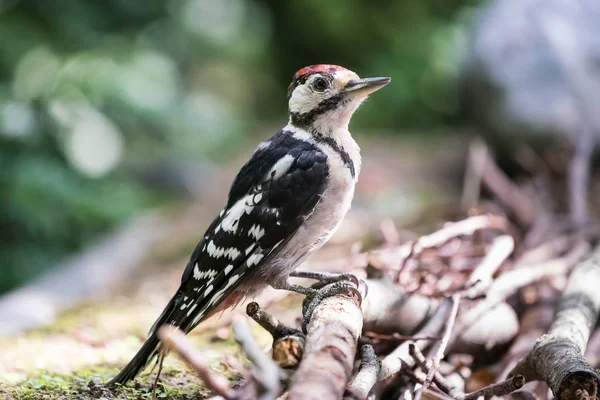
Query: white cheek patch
303	99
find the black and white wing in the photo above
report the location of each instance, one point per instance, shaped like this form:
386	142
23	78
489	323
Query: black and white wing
272	195
270	198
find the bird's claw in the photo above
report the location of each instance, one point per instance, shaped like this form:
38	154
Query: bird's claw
338	287
325	279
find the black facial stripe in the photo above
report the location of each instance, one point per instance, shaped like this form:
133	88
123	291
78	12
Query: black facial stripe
306	119
329	141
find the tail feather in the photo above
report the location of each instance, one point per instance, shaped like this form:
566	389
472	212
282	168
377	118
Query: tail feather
143	357
149	349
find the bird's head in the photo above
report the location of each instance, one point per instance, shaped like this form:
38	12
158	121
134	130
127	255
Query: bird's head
324	97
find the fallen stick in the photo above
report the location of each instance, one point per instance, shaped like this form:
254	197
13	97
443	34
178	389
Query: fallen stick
330	349
390	255
288	343
557	357
394	361
367	375
509	282
388	310
503	388
364	381
481	278
438	379
266	373
435	364
175	341
517	201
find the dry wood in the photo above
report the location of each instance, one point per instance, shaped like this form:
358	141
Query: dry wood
267	375
175	340
516	200
503	388
481	278
330	349
557	357
438	379
435	364
394	361
367	375
511	281
388	310
288	343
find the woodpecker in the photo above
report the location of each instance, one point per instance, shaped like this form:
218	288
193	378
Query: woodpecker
283	205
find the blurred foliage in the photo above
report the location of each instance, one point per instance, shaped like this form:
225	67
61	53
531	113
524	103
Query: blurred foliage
93	90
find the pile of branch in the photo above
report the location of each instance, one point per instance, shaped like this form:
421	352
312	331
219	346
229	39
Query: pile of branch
499	304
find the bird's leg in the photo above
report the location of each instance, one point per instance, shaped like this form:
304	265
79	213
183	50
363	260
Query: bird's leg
290	287
161	357
579	174
326	278
328	290
328	285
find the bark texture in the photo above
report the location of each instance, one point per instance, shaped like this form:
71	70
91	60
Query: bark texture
330	350
557	357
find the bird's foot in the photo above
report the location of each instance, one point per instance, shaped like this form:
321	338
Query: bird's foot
328	285
325	278
327	290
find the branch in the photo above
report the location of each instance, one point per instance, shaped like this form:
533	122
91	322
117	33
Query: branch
331	340
517	201
503	388
438	379
265	371
481	277
389	310
367	376
511	281
557	357
175	340
393	362
288	343
442	347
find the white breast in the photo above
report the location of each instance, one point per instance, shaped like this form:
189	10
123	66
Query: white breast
327	216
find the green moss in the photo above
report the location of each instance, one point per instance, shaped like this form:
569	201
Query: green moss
177	384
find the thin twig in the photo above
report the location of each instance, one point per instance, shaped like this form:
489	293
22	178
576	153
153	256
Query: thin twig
174	340
288	343
503	388
266	372
438	379
520	203
481	277
394	361
442	347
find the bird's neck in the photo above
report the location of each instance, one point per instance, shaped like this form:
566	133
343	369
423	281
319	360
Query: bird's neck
336	138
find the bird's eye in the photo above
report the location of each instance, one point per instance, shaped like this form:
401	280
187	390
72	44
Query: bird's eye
320	84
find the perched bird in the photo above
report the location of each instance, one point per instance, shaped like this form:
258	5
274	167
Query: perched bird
283	205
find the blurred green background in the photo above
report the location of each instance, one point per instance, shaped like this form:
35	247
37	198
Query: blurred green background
93	93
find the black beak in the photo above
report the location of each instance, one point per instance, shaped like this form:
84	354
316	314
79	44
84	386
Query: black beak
366	86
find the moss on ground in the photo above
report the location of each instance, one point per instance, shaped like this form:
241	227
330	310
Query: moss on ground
89	384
